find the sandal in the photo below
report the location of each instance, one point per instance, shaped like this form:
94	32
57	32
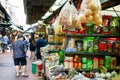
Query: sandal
25	75
17	75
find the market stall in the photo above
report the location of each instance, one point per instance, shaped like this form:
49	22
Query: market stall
82	44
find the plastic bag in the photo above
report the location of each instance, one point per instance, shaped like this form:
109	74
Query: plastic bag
57	27
91	12
68	15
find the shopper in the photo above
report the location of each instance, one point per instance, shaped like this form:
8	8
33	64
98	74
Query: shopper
19	55
1	42
40	43
26	39
32	48
5	42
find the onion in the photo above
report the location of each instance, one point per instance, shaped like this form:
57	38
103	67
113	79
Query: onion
92	6
95	17
98	21
82	18
90	18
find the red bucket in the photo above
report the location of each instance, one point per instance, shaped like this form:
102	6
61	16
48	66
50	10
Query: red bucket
40	66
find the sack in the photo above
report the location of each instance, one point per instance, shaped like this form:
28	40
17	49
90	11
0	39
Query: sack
90	12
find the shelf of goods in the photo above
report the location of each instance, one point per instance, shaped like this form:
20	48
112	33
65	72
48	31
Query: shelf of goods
92	54
89	52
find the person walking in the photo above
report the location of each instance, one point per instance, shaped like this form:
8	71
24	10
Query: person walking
1	43
5	42
19	56
32	48
40	43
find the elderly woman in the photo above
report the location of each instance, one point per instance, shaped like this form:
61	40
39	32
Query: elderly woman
19	56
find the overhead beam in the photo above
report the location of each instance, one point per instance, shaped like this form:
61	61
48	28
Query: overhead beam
110	3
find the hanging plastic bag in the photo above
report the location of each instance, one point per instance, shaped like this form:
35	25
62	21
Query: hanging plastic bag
68	16
65	15
57	27
91	12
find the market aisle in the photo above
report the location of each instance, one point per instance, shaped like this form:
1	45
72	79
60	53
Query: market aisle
7	69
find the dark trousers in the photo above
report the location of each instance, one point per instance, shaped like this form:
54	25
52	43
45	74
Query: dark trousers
38	55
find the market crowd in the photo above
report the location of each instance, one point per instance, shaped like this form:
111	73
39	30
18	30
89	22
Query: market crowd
19	43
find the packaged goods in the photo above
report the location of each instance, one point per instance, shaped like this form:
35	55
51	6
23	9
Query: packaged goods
51	30
108	62
116	47
71	43
115	26
76	58
89	64
63	44
113	62
50	38
95	63
57	39
101	62
61	53
71	47
102	45
106	24
110	44
79	46
84	60
88	44
84	66
79	65
96	49
75	64
89	28
68	62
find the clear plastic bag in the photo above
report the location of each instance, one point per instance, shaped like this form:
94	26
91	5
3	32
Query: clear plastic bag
57	27
91	12
68	16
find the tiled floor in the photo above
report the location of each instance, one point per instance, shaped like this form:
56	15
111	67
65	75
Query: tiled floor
7	69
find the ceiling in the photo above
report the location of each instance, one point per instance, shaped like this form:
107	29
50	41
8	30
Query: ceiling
35	9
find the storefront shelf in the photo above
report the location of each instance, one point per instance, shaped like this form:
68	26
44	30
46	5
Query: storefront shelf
54	43
92	70
91	35
53	51
91	53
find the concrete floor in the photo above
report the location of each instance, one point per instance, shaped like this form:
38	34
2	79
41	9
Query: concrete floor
7	69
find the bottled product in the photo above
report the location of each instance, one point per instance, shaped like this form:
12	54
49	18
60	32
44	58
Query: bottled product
95	63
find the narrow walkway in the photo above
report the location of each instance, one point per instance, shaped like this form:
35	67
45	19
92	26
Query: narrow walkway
7	69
